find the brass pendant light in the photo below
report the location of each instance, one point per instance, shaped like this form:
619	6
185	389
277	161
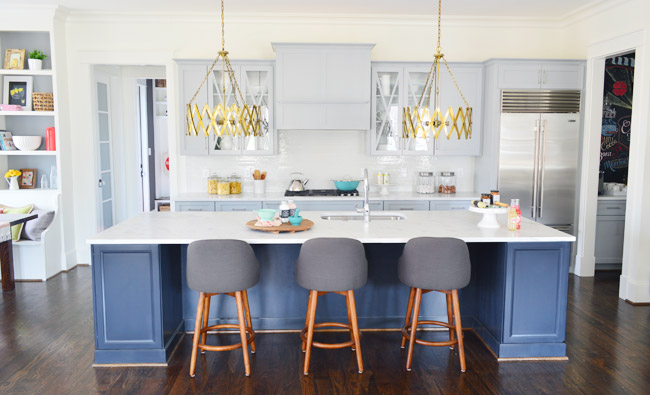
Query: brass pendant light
235	120
422	121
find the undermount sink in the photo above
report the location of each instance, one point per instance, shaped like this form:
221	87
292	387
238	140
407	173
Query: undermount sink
359	217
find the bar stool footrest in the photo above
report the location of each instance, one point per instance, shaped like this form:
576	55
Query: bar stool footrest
407	327
349	343
249	331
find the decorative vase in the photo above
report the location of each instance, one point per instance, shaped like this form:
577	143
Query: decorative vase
35	64
13	182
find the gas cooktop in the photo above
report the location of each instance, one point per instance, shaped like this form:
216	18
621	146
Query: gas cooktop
321	192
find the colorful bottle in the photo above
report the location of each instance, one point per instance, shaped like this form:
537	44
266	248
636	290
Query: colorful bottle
284	212
292	208
518	208
512	216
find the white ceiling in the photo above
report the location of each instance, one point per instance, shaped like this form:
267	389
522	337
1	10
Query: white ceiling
492	8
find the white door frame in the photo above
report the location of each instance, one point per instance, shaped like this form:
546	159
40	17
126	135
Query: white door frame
143	129
635	279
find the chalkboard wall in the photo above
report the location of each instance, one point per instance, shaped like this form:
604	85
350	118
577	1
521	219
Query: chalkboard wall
617	116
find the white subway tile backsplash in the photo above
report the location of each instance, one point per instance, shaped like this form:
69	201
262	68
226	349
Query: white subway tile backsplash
322	156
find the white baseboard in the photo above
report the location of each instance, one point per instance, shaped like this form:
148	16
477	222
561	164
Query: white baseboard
584	266
634	291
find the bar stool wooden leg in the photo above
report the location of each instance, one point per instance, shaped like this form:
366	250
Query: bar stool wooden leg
249	322
450	318
242	331
459	329
352	308
409	308
197	332
304	343
347	304
311	314
206	314
414	328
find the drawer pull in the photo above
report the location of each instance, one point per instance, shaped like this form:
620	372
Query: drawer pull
239	209
194	209
613	208
406	208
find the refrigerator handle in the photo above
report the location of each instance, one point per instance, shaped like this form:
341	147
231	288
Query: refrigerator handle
541	168
535	172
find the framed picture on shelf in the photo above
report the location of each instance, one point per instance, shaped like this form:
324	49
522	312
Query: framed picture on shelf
18	91
15	59
6	141
27	179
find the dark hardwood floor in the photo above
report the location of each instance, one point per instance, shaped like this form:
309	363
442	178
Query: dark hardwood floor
46	347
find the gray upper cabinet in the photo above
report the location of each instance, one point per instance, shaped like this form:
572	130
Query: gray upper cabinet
541	75
189	79
323	86
256	83
397	85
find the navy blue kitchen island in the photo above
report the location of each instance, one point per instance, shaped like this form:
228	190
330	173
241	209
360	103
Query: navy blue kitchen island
516	300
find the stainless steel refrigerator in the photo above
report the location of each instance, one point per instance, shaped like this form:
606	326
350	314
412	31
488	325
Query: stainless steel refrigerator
538	156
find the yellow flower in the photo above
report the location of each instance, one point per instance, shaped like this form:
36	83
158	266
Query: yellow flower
12	173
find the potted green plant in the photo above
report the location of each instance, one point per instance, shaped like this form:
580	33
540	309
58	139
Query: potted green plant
35	60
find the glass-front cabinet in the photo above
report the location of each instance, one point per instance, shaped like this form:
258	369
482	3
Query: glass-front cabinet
396	85
255	80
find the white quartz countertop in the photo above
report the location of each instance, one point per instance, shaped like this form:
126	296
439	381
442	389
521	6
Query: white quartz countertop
186	227
277	196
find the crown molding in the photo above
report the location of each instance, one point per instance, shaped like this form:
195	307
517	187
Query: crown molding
303	19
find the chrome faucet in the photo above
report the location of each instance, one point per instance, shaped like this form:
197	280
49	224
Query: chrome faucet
366	191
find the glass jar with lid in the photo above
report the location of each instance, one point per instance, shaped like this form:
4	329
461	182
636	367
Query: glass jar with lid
447	182
223	186
235	184
213	181
425	182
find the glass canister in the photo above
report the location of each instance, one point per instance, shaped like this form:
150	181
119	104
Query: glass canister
447	182
223	186
235	184
213	181
425	182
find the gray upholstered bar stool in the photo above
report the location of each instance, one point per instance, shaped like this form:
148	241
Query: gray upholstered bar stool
335	265
222	267
434	264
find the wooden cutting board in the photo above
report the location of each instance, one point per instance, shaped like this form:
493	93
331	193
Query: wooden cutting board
304	225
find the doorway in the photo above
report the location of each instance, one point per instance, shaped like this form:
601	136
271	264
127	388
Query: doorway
131	133
614	161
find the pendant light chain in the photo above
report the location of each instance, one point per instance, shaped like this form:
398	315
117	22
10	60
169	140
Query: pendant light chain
439	48
223	30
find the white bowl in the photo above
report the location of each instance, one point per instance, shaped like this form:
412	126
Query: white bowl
27	143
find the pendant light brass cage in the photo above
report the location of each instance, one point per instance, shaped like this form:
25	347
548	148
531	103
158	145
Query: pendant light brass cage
421	121
223	120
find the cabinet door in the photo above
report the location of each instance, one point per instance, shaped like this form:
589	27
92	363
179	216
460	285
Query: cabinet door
194	206
238	206
406	205
415	78
386	125
470	81
190	77
563	76
439	205
257	88
609	239
520	76
225	141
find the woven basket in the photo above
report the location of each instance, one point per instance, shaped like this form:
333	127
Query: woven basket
43	101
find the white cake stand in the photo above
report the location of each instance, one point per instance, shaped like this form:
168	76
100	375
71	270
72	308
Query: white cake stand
489	216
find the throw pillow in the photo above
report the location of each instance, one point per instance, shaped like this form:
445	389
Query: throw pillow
16	230
35	227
